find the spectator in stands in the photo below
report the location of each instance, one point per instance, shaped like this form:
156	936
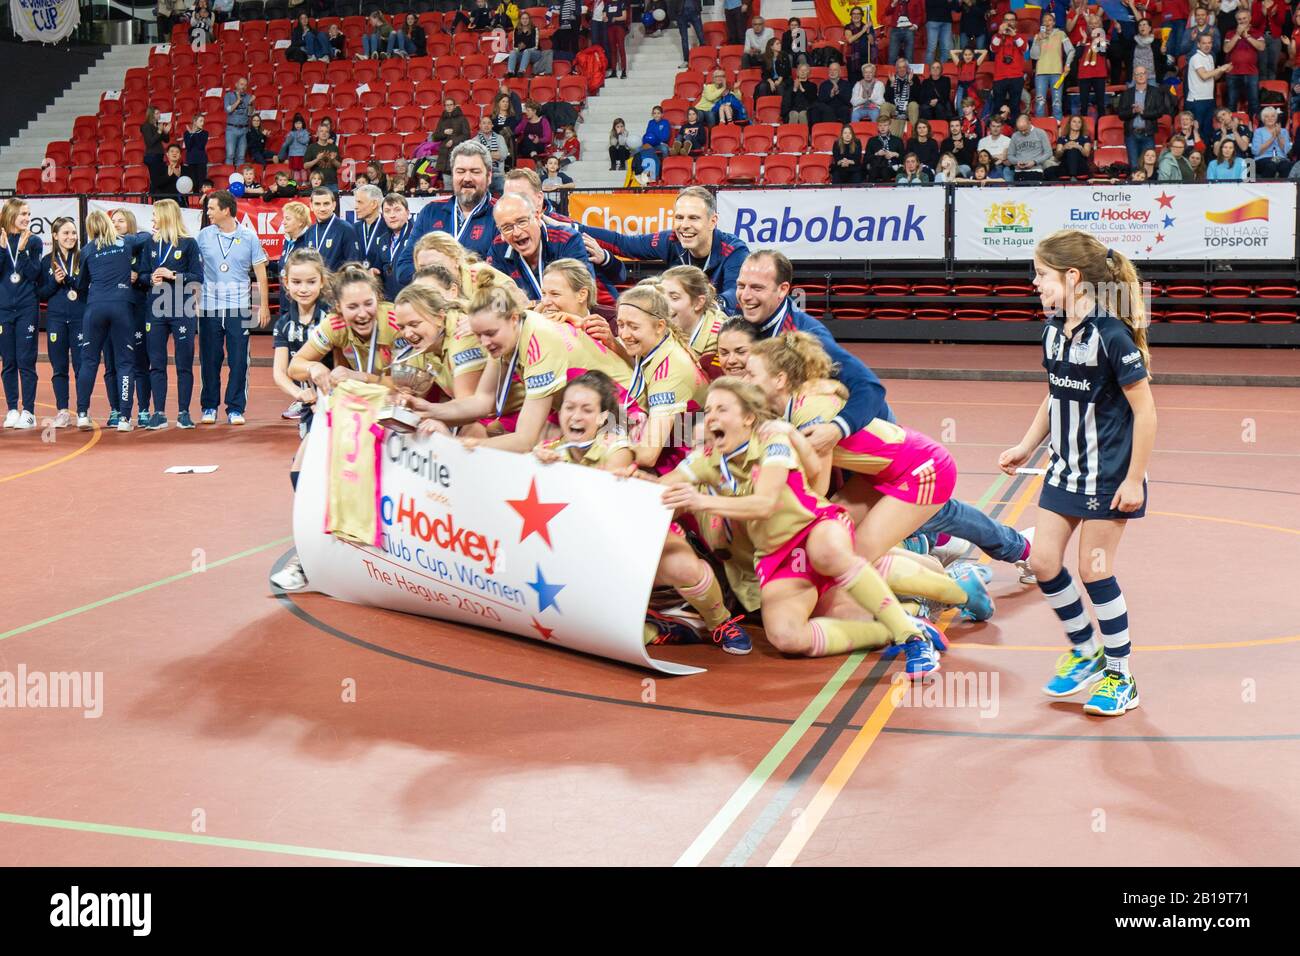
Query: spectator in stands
239	106
884	155
924	145
527	52
800	98
566	146
322	157
503	114
252	185
1269	18
1148	167
903	16
846	158
1226	15
401	173
307	42
938	28
256	142
1227	165
497	149
294	147
1147	52
411	40
757	37
731	108
1141	106
1173	167
859	42
934	95
452	130
1093	66
376	176
1270	146
1229	127
1201	23
618	15
1051	51
338	42
568	18
533	132
167	13
619	153
968	63
283	187
997	143
1201	76
173	169
374	43
645	164
1185	123
156	134
1196	160
711	93
1073	149
196	149
223	10
688	16
423	186
794	42
769	85
598	21
692	137
985	167
556	185
736	13
202	25
974	24
867	97
900	98
479	19
961	146
1008	50
1243	47
912	173
834	99
658	133
949	171
1029	152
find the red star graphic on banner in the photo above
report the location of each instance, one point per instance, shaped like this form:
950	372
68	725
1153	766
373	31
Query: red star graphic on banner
545	632
1160	237
1148	248
536	514
1166	201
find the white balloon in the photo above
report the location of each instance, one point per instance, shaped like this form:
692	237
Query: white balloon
236	178
659	15
185	185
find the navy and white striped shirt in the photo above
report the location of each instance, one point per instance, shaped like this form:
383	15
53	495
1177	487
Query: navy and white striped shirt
1091	435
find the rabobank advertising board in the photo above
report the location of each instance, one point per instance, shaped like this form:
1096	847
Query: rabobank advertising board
837	223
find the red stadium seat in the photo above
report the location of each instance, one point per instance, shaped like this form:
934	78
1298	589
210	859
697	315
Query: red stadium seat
542	89
370	99
408	119
792	137
779	169
1110	131
438	45
457	90
1276	318
1265	290
573	89
1105	156
481	92
1017	315
711	170
419	68
351	122
824	136
358	148
83	154
702	59
60	152
29	182
109	154
890	313
135	179
392	69
768	110
1184	316
1229	316
364	71
931	314
381	121
688	85
815	169
428	92
675	111
447	68
1185	290
726	138
729	58
677	171
715	33
758	138
108	181
744	169
474	67
82	179
388	146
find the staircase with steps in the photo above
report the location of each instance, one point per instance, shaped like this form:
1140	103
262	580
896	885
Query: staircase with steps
27	149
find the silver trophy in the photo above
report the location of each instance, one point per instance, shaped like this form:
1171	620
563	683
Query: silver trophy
410	380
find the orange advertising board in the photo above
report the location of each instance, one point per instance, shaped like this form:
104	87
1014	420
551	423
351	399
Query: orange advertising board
631	213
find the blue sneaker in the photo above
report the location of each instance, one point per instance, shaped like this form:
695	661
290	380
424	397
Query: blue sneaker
157	421
1075	672
733	638
113	420
922	657
183	420
672	630
1116	694
985	571
143	420
918	544
936	636
979	605
235	418
209	416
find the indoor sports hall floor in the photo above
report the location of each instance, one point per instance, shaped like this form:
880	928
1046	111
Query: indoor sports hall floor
225	738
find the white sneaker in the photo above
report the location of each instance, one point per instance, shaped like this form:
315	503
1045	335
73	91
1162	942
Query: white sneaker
291	576
951	550
125	425
63	419
11	420
26	420
1027	575
84	423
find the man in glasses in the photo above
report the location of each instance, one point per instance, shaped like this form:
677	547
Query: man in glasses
525	246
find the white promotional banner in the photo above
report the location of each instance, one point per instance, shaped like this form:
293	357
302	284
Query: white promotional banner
900	223
45	211
558	553
193	218
45	21
1143	221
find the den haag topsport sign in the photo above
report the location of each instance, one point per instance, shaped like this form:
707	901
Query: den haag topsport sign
494	540
1143	221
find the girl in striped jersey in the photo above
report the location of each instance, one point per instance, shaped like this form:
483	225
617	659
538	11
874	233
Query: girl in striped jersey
666	382
1100	422
522	346
803	543
904	476
693	302
589	409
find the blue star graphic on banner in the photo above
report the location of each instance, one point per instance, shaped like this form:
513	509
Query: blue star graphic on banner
546	592
1169	221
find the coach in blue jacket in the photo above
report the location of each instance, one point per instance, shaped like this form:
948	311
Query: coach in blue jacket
467	215
525	246
694	240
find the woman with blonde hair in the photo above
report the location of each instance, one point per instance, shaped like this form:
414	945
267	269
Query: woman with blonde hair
124	222
696	312
175	269
19	310
359	334
106	280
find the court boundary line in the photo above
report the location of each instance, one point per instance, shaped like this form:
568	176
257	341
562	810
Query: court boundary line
97	433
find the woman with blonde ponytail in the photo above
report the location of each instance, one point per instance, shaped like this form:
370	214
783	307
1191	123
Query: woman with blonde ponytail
1100	422
694	305
666	381
900	478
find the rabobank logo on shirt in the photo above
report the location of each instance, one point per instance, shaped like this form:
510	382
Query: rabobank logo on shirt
838	223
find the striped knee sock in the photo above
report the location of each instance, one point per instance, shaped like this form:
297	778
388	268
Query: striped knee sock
1066	601
864	585
834	636
1112	619
706	597
905	576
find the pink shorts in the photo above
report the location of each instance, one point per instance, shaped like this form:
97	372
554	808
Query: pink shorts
782	563
923	474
